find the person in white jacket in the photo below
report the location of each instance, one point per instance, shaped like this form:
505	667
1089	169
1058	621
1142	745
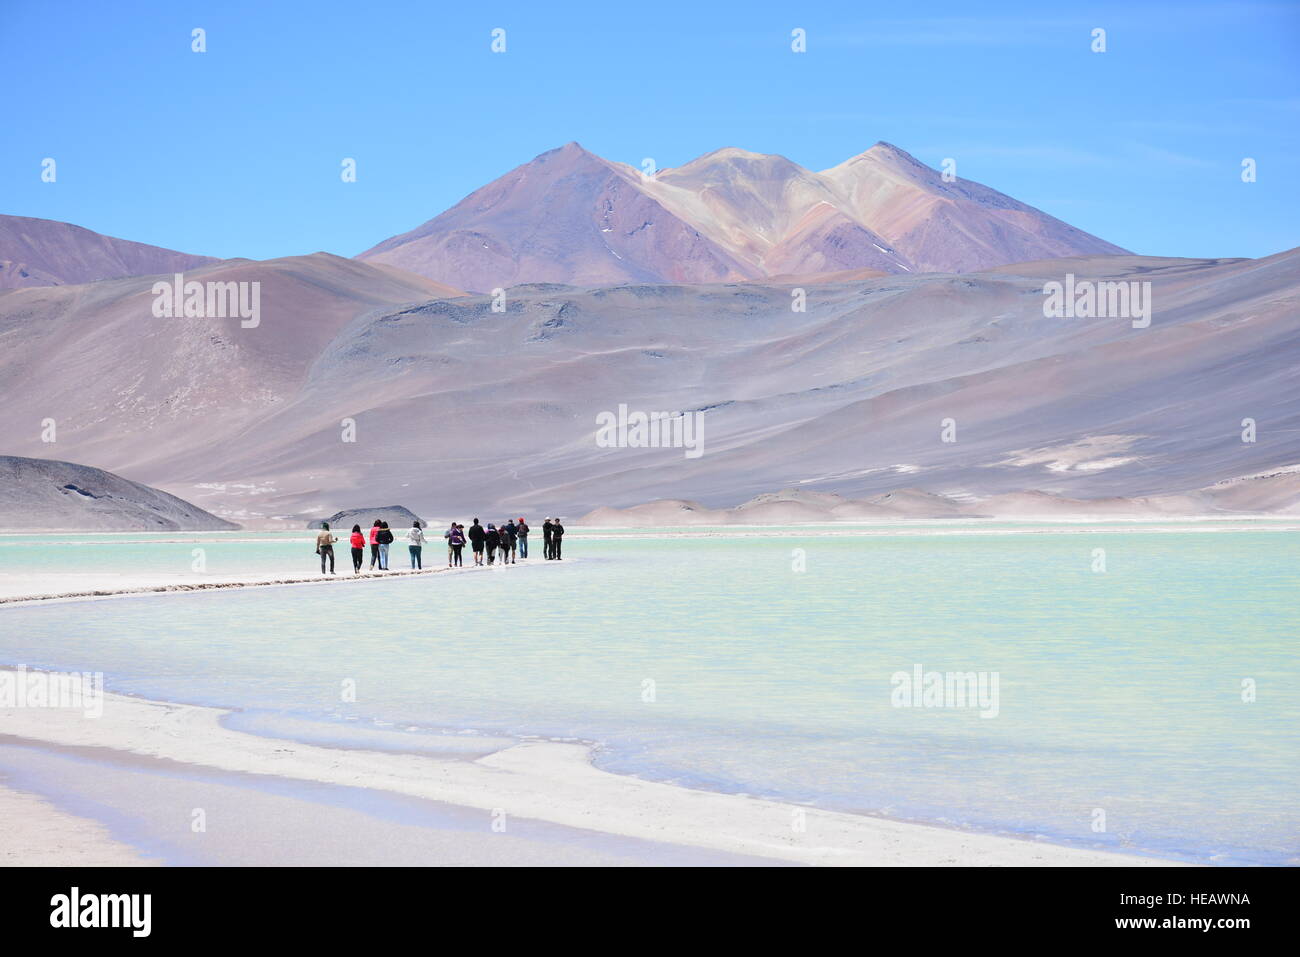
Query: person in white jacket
416	539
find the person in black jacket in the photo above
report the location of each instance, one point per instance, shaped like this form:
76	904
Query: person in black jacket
509	541
493	541
557	539
476	537
385	539
547	539
521	533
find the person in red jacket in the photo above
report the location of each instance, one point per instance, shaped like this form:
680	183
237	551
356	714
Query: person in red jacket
521	533
358	543
374	544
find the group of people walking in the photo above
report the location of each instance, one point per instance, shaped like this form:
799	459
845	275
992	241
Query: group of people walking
502	542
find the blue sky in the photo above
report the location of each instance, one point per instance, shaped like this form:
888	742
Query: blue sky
237	151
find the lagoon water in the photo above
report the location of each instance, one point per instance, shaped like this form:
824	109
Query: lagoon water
712	662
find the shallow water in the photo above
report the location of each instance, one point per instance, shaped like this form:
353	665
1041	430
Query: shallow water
1118	692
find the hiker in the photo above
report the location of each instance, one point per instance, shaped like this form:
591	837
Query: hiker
521	533
457	541
557	539
476	538
374	544
358	543
385	538
447	538
508	541
548	539
325	547
415	541
492	539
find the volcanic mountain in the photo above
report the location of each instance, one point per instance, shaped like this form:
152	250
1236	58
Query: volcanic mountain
569	216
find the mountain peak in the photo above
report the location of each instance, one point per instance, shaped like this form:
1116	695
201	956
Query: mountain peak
570	149
570	154
735	152
888	156
883	146
734	155
730	166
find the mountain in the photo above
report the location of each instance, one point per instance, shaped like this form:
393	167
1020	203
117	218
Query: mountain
397	516
951	227
458	410
147	395
569	216
41	252
46	495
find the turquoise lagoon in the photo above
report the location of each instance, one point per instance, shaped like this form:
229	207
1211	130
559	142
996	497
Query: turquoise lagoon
714	662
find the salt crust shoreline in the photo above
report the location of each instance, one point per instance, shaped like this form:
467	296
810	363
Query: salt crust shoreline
546	781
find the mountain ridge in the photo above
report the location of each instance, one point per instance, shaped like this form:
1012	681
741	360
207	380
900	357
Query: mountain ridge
47	252
728	215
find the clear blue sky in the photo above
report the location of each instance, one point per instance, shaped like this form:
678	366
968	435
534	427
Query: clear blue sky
237	151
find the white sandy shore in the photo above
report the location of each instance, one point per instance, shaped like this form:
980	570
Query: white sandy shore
34	833
543	781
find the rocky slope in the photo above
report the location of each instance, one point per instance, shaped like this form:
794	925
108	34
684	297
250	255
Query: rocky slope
47	495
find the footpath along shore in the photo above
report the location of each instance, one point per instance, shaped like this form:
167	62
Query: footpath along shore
32	588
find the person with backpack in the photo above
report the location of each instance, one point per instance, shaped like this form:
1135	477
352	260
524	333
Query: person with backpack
374	544
456	542
492	539
325	547
548	539
385	538
521	533
476	539
358	543
415	542
509	541
557	539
